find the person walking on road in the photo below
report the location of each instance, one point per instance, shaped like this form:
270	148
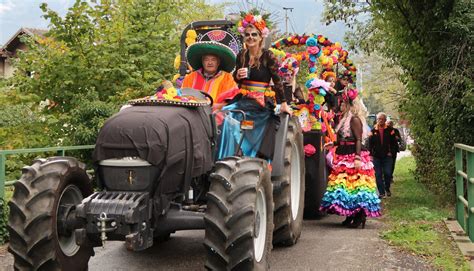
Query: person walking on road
351	189
396	148
381	144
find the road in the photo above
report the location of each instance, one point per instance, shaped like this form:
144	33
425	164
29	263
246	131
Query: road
324	245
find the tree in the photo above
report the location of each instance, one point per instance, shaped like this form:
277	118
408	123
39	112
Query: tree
96	57
381	86
432	43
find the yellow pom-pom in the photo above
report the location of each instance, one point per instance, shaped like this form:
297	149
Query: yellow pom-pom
337	45
190	41
316	126
171	91
191	34
175	77
312	75
330	62
318	99
177	61
324	60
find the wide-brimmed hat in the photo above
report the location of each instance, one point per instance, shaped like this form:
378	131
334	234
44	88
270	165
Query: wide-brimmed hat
196	51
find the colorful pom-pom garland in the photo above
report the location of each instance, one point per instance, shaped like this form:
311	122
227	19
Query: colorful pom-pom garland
328	54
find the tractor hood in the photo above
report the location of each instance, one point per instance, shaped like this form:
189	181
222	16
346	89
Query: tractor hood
173	138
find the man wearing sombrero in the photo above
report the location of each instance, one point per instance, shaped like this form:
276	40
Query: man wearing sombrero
212	63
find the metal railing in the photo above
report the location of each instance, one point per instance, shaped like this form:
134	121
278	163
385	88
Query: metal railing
465	188
60	151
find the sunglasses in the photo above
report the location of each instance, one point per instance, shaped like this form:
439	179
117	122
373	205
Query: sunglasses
253	34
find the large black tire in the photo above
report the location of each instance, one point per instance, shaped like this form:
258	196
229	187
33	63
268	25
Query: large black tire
34	239
233	219
289	199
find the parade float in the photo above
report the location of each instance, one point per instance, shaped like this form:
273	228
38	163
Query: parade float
323	58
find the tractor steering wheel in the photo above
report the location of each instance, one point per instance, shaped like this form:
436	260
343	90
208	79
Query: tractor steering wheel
208	96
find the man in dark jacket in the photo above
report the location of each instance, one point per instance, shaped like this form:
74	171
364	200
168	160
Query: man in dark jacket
381	142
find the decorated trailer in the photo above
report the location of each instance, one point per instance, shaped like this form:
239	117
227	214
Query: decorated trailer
317	113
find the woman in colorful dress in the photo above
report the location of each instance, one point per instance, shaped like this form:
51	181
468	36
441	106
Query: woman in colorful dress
351	190
254	70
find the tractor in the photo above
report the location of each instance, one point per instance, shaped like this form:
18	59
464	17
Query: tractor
156	173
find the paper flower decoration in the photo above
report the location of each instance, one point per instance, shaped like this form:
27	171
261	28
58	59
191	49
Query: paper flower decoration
253	17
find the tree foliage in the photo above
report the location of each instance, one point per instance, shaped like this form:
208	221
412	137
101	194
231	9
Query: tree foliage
379	81
92	60
100	54
432	42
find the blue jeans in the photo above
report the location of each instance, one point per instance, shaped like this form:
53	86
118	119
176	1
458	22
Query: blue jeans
383	173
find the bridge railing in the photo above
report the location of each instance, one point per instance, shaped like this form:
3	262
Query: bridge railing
60	151
464	156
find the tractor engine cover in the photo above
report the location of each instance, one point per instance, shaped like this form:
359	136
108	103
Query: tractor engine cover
175	139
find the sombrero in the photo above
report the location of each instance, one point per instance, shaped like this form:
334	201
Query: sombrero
196	51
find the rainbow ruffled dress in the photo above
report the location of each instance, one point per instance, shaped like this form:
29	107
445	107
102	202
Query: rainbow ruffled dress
351	190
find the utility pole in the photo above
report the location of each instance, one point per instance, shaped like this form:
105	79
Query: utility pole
286	18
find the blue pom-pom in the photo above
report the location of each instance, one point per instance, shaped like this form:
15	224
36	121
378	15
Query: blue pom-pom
312	58
311	42
308	83
317	107
312	69
322	92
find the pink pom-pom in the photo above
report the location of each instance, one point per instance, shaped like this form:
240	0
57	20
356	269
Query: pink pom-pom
265	32
309	150
313	50
352	93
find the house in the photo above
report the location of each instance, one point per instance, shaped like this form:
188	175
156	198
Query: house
12	46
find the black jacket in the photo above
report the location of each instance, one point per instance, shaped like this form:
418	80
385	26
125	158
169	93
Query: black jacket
397	140
379	149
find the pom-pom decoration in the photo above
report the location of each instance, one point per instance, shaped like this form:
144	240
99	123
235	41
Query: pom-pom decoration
318	51
256	18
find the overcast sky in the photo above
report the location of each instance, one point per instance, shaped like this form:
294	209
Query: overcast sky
305	17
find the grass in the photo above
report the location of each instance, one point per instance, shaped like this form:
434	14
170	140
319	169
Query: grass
414	219
8	193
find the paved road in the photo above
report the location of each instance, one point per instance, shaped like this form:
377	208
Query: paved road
324	245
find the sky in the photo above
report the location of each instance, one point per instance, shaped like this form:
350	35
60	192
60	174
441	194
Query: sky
305	17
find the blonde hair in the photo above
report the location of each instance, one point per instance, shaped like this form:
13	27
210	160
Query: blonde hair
356	109
256	59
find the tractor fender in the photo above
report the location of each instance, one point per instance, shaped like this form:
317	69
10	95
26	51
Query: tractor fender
278	161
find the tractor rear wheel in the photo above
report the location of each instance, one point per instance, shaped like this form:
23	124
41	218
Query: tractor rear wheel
289	199
239	215
44	191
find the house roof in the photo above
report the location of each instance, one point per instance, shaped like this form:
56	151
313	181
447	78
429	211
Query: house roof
14	41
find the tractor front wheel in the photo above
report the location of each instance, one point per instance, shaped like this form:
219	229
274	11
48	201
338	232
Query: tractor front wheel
239	215
44	193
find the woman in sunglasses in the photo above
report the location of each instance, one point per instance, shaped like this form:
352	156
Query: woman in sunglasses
255	68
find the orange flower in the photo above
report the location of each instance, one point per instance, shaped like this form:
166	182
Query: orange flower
260	25
249	17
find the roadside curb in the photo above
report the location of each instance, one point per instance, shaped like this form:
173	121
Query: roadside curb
462	240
